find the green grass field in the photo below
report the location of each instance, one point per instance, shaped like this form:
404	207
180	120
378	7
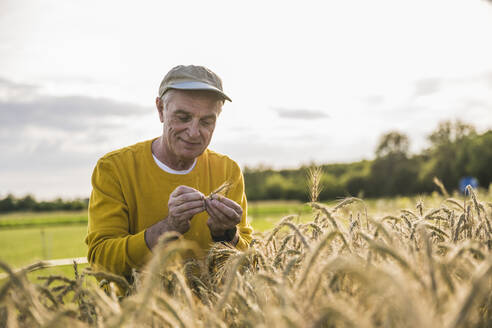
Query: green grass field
24	246
28	219
20	247
29	237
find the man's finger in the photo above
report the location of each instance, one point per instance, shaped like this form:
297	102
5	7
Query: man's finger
229	211
209	208
226	211
187	197
222	213
214	212
230	203
191	212
188	206
182	190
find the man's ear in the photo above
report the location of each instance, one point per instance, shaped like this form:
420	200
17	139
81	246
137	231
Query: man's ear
160	108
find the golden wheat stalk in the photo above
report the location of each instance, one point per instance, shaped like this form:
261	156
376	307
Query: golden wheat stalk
315	175
223	189
439	184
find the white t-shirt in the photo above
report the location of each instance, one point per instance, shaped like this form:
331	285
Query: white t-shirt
170	170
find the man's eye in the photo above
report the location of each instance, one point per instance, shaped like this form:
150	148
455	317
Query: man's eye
207	122
184	118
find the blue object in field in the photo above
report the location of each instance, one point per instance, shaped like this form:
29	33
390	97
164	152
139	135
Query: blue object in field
465	181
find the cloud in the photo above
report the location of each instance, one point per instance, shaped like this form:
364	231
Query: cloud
432	86
65	113
305	114
13	90
488	78
51	132
426	87
374	100
22	107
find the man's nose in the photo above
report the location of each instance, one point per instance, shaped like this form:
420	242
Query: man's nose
194	129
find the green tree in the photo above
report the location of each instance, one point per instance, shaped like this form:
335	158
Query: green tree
481	159
332	187
276	186
392	172
27	203
449	132
450	153
393	144
8	204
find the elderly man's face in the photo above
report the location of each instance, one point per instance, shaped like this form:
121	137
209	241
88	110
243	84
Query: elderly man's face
189	121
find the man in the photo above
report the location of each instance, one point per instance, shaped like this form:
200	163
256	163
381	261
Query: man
159	185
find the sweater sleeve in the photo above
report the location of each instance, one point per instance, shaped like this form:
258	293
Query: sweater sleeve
111	246
237	194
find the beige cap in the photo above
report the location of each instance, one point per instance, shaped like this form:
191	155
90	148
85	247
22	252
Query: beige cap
192	78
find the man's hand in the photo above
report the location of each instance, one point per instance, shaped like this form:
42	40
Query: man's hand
224	214
184	202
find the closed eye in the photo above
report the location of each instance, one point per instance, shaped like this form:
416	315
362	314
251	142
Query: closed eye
184	118
207	122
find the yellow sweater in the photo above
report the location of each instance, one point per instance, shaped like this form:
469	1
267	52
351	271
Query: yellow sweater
130	193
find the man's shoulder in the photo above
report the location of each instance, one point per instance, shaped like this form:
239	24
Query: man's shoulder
128	151
216	158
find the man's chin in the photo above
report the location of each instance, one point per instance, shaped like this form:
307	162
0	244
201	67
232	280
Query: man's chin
191	155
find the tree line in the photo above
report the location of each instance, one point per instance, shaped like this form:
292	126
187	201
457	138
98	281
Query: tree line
456	150
29	204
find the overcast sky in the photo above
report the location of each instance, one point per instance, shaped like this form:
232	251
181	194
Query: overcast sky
310	81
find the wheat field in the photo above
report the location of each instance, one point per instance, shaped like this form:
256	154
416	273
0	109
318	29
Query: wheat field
421	267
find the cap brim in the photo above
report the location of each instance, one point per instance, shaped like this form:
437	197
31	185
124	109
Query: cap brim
194	85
